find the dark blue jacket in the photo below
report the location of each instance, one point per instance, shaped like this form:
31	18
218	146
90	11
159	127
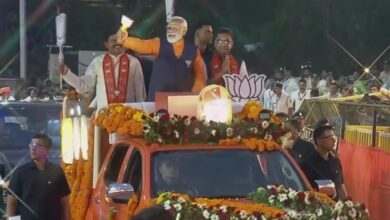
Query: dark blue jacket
172	74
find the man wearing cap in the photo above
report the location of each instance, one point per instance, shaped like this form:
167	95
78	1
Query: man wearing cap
298	96
289	84
306	74
304	133
281	102
323	164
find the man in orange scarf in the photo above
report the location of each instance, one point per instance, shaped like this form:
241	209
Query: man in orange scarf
178	66
222	61
116	76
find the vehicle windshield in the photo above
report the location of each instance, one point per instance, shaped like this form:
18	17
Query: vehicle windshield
221	173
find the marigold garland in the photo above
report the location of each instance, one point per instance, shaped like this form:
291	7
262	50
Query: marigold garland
252	109
79	176
323	197
267	211
229	142
132	204
165	128
122	119
308	204
183	206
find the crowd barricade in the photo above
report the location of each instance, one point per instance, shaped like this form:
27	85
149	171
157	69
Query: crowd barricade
367	170
362	136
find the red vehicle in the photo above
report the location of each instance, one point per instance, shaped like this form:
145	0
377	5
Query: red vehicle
131	167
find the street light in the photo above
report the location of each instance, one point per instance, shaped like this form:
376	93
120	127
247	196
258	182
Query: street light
22	44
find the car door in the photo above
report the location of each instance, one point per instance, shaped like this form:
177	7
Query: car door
132	174
109	173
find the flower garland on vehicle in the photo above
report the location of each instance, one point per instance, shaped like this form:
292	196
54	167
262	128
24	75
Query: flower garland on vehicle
122	119
184	207
79	173
308	205
79	176
246	128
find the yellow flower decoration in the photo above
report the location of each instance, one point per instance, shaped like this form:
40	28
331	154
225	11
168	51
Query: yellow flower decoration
251	110
132	205
121	119
138	116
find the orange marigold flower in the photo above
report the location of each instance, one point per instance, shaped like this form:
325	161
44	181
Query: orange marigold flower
249	143
132	205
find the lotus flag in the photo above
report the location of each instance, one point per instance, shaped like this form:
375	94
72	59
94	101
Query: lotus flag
245	88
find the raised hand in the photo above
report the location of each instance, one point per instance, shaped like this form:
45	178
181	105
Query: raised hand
62	68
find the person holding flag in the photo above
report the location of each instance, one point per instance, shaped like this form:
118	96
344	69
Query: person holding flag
117	76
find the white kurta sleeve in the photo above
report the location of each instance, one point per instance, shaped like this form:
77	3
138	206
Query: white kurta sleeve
84	83
139	83
243	70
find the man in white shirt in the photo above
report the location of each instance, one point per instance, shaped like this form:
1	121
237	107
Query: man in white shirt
289	84
334	91
267	95
324	83
117	76
298	96
306	73
281	102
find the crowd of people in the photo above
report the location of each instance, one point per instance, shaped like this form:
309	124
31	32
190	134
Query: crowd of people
179	65
183	66
44	91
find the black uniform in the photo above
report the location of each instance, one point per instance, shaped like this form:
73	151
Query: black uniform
301	150
317	168
40	190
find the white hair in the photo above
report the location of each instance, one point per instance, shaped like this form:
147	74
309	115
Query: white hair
179	19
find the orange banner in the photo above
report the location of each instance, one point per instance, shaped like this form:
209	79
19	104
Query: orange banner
367	177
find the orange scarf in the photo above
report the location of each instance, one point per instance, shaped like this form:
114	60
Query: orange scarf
116	93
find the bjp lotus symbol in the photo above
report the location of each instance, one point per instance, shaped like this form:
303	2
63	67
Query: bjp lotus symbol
245	88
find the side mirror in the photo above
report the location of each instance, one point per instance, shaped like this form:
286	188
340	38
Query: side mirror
326	187
119	192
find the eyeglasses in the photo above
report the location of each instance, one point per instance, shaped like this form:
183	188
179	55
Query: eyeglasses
33	145
223	41
330	137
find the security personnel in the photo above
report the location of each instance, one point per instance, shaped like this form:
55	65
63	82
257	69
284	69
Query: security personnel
323	164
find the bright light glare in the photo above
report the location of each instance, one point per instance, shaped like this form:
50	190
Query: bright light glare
216	110
66	139
366	70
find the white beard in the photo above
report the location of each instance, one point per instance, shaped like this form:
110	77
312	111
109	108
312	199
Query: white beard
173	39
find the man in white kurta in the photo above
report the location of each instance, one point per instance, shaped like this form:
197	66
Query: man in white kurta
281	102
298	96
125	85
289	84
